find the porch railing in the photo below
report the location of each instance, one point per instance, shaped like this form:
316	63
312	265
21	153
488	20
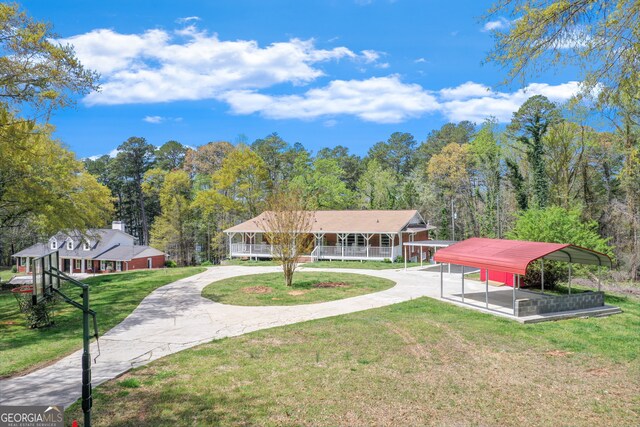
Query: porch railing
353	252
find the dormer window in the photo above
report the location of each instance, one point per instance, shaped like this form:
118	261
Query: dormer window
54	244
70	245
86	246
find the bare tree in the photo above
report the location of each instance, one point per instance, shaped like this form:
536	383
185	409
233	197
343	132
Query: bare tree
287	226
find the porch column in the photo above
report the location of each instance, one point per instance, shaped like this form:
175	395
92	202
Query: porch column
405	258
251	240
28	265
367	238
399	243
542	273
441	279
569	278
71	261
82	263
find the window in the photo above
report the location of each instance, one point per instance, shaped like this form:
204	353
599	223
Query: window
103	265
118	265
70	245
385	240
54	244
78	264
355	240
86	246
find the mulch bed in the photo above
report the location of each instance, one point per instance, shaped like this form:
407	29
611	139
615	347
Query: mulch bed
257	290
331	285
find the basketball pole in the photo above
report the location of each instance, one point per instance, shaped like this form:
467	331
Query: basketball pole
87	400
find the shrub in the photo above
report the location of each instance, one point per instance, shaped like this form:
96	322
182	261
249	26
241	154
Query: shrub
556	225
170	264
206	264
399	258
387	260
14	269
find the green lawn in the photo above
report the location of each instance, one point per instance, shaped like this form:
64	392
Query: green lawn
269	289
113	297
6	275
421	362
369	265
250	262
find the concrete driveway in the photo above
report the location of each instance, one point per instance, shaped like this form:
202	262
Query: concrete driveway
175	317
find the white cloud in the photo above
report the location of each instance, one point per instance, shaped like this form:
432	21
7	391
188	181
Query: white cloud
420	60
464	91
471	101
187	19
377	99
370	56
330	123
499	24
153	119
157	66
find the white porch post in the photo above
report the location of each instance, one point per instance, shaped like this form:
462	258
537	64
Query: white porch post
251	241
569	278
82	263
71	261
400	242
405	258
367	238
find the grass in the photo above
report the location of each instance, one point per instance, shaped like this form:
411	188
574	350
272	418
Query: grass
113	297
421	362
269	289
251	262
368	265
6	275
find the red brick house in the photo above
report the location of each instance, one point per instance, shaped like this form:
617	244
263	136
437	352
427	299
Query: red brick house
97	251
340	235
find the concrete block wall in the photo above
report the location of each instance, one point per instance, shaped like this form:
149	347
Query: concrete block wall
555	304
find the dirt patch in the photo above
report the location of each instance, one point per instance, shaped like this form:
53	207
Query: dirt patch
296	293
558	353
331	285
257	290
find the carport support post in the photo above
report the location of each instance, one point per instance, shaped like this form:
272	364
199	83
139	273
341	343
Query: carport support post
513	296
569	278
441	278
463	283
486	288
542	262
599	274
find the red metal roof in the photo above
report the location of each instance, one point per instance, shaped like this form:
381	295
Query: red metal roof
513	256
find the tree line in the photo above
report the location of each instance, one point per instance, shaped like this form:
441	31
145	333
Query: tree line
465	179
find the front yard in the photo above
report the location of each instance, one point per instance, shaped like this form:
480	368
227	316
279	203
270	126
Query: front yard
307	287
113	297
421	362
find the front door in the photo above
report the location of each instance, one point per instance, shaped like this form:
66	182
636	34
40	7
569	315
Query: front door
149	263
66	265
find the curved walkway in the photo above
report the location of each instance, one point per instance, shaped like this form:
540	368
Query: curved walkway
175	317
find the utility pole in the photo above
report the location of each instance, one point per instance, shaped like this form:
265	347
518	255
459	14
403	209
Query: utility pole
453	222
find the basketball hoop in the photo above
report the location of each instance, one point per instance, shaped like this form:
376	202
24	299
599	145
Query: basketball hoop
38	315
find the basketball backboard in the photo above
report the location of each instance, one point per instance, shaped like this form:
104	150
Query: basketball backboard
44	278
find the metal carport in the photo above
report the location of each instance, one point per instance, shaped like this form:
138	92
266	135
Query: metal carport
514	256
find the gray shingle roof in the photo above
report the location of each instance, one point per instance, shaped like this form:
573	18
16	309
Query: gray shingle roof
105	244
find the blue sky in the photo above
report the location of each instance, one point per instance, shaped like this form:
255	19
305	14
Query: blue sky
321	73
